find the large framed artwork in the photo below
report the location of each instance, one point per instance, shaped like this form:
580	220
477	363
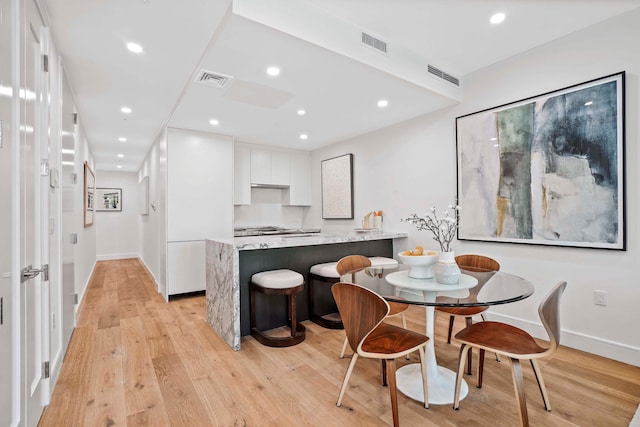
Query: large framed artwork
546	170
89	195
337	187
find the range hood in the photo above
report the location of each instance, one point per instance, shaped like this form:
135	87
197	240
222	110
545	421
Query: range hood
269	186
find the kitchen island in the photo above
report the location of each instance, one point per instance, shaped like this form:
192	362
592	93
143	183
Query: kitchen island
230	264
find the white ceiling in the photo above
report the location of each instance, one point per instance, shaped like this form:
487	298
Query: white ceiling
325	68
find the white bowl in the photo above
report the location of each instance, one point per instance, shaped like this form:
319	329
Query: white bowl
421	265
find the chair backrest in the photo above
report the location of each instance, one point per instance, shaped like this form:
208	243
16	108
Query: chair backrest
351	264
361	310
479	263
549	311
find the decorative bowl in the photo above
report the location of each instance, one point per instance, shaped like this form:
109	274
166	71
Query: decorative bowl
421	265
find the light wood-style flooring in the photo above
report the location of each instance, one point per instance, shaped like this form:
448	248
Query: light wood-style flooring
134	360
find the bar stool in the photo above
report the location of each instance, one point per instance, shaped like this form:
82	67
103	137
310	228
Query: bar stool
324	274
278	282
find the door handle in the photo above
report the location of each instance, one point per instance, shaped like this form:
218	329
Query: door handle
29	273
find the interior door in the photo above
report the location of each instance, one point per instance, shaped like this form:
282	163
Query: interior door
32	240
6	132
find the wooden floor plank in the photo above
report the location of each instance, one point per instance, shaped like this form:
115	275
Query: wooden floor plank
136	360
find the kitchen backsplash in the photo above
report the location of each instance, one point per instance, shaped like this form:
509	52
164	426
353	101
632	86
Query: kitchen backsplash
266	209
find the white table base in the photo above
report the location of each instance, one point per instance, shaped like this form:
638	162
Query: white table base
441	381
441	384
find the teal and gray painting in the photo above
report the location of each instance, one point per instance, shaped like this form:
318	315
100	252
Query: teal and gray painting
545	171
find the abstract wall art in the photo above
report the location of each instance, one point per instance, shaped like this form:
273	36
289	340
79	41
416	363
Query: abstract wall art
337	187
546	170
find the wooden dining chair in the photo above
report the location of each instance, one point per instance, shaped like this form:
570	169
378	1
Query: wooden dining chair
352	264
515	344
474	263
363	312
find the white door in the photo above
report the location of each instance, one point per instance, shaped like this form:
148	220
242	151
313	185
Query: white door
32	240
6	132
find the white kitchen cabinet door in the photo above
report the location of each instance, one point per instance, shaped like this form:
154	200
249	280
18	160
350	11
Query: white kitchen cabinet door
186	270
199	189
280	168
299	192
242	176
269	167
260	166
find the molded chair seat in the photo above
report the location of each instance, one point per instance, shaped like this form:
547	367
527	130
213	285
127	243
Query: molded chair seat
515	344
352	264
363	312
278	282
476	263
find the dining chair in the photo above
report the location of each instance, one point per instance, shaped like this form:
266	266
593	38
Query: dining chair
363	312
352	264
474	263
515	344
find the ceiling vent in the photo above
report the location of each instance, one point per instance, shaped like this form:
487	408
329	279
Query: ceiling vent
375	43
209	78
439	73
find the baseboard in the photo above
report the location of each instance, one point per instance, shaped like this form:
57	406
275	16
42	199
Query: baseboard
107	257
153	277
595	345
82	292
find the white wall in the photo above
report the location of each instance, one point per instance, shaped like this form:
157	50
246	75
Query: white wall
117	232
410	167
153	227
85	250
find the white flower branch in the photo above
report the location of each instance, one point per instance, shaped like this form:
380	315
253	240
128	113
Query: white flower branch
443	228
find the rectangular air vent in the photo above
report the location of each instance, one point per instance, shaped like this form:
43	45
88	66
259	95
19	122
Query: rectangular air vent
375	43
209	78
439	73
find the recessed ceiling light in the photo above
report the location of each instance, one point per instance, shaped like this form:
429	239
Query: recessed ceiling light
304	136
301	112
494	139
383	103
67	151
273	71
214	122
120	155
134	47
126	110
122	139
497	18
119	166
588	103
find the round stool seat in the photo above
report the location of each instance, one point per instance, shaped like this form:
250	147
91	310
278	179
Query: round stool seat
380	261
277	282
277	279
327	269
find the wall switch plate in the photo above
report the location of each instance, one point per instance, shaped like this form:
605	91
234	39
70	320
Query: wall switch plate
600	298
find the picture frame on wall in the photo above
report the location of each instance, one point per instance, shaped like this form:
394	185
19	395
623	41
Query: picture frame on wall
108	199
89	195
337	187
546	170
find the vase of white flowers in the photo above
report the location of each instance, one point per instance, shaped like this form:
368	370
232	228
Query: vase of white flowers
444	228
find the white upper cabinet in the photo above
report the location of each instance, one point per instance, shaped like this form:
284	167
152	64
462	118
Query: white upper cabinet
269	168
242	175
299	191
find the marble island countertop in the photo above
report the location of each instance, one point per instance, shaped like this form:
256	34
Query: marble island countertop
291	240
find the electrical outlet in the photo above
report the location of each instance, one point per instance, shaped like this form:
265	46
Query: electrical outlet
600	298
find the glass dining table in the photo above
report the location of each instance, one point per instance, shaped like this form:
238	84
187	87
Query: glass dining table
474	289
